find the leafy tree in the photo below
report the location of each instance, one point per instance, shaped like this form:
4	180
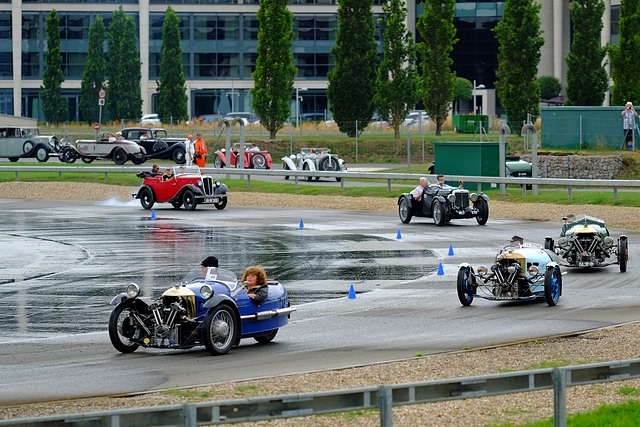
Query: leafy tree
520	40
351	87
625	57
172	92
275	70
550	87
438	33
93	77
587	79
54	105
124	99
462	91
397	78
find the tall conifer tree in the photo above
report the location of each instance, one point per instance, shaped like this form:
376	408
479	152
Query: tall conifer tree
172	92
93	77
54	105
625	56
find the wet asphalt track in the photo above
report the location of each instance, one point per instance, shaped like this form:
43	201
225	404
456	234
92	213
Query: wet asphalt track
61	264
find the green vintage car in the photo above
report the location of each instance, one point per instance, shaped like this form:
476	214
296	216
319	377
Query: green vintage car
585	241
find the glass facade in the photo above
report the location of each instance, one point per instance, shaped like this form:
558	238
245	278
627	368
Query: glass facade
6	58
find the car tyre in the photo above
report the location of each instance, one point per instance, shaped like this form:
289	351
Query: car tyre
87	159
404	210
146	198
465	286
189	200
119	156
68	156
623	253
267	337
122	328
179	156
483	211
220	329
439	213
217	162
42	155
258	161
286	168
13	159
27	147
306	168
238	160
328	163
176	204
552	285
222	204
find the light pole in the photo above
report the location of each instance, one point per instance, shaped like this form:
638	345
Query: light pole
480	86
297	104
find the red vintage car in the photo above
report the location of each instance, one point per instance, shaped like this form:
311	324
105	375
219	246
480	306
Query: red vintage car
185	187
253	159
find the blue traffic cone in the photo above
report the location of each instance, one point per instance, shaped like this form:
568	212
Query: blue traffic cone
399	235
301	225
352	293
450	250
440	270
153	214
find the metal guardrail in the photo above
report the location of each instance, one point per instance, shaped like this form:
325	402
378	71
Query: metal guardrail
383	397
298	176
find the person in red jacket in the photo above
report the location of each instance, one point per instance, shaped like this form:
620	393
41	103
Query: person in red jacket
201	150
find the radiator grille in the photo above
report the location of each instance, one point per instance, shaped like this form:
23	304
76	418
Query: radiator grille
462	200
207	183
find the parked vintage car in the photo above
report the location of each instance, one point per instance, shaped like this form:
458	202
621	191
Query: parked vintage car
157	143
314	159
188	188
150	120
19	142
213	311
585	242
252	159
520	272
105	147
444	203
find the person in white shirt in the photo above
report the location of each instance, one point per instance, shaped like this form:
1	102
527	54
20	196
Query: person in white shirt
253	147
189	150
417	192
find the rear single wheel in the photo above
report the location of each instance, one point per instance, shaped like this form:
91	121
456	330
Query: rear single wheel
258	161
286	168
465	286
552	285
177	204
179	156
123	329
42	155
266	337
483	211
138	160
13	159
306	168
222	204
220	329
189	200
87	159
217	162
404	210
146	198
439	213
119	156
623	253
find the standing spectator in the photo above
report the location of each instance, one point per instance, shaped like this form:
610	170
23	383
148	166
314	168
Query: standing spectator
189	150
200	150
629	124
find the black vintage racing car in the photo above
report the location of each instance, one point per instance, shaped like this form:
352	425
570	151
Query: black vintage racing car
444	203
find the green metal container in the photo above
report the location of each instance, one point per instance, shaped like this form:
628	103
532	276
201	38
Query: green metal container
469	123
467	158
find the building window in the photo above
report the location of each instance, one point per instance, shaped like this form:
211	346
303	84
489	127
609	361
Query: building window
6	101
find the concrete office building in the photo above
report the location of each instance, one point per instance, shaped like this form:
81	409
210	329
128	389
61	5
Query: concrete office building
219	39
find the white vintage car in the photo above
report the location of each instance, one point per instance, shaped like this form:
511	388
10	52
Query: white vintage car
20	142
314	159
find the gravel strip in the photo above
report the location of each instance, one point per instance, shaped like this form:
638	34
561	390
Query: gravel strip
617	343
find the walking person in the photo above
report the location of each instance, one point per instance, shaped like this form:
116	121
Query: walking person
200	150
629	124
189	150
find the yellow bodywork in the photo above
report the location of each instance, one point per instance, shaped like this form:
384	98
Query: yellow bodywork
516	256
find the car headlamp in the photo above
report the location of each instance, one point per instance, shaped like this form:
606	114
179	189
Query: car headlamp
482	270
199	183
133	290
473	197
608	242
533	270
216	183
451	197
563	242
206	291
